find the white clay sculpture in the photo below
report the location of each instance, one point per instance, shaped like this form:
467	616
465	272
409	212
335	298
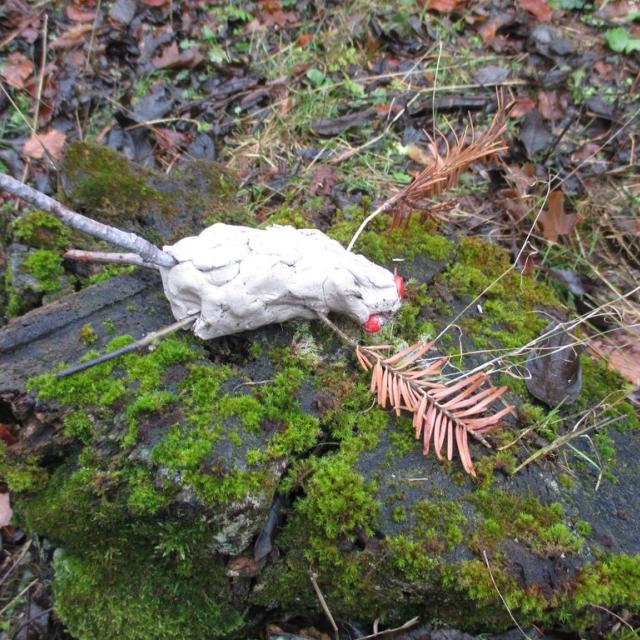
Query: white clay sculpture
238	278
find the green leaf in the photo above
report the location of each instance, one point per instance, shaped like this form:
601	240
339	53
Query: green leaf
316	76
401	177
619	41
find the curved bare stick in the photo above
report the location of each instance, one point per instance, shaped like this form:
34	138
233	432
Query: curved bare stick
147	251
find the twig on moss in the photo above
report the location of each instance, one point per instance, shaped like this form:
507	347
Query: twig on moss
504	602
323	603
150	339
147	251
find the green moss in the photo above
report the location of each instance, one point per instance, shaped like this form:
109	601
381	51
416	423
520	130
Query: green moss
20	474
46	266
103	180
110	271
337	503
41	230
95	600
77	424
166	562
381	245
286	216
534	525
87	335
161	207
144	497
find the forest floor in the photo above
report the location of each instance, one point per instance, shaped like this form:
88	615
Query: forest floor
324	108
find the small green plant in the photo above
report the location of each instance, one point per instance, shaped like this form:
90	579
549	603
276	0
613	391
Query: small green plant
621	41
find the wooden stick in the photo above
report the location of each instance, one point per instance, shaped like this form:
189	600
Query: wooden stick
323	602
147	251
102	256
150	338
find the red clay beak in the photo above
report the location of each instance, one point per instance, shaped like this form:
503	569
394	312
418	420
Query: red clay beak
373	324
399	285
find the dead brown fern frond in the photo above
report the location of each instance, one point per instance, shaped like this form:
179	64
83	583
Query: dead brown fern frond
444	414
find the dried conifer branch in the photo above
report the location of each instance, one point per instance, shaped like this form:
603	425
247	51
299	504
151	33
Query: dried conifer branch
444	173
147	251
445	414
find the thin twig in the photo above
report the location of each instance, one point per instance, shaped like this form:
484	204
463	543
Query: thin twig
504	602
92	39
17	561
323	603
615	615
339	332
149	339
17	597
147	251
406	625
43	64
102	256
28	621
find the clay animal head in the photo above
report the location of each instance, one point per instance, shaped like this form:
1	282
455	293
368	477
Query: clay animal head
239	278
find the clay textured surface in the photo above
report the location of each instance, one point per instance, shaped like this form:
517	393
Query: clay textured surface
238	278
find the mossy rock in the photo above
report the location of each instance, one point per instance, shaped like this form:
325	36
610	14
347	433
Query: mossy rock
160	454
161	207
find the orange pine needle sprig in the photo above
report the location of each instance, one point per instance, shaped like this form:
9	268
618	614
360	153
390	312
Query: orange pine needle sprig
444	415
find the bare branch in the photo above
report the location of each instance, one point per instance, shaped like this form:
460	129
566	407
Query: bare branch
102	256
149	339
147	251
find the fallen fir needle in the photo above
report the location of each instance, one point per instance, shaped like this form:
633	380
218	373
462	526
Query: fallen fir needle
149	339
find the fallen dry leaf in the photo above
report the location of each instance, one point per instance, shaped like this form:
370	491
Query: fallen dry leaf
322	181
586	152
549	105
442	6
522	105
305	39
7	434
242	566
173	58
78	14
520	178
539	8
555	222
17	69
72	37
168	139
622	354
155	3
5	510
53	141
